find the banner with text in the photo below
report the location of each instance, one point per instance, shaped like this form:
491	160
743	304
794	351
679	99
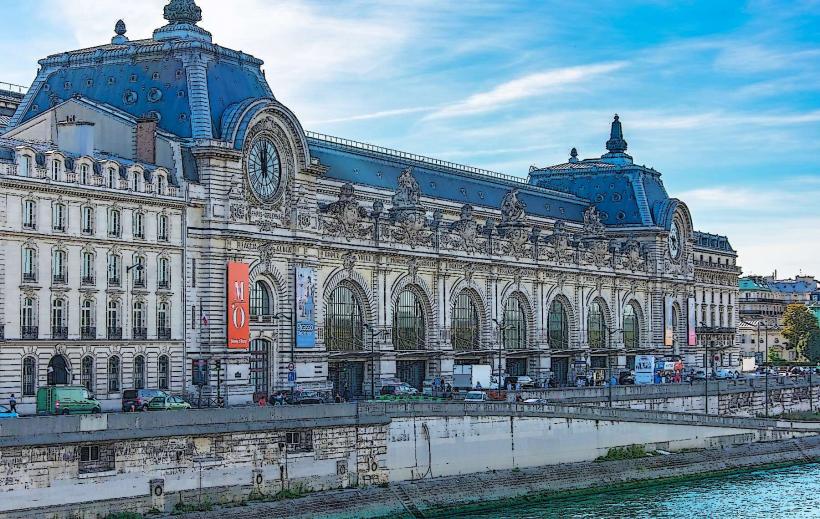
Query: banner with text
669	326
305	307
239	329
693	338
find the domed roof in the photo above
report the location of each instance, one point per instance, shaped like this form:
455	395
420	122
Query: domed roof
178	76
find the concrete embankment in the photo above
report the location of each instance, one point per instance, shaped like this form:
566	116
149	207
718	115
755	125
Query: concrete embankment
438	497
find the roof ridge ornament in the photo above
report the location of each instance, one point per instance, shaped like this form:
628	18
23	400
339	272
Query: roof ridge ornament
616	142
183	11
119	30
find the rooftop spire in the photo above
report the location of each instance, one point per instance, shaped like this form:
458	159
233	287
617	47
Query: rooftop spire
616	142
183	11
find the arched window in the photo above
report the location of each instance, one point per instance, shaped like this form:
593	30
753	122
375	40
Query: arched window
87	329
514	325
135	181
343	321
163	273
139	330
113	321
139	271
87	373
29	214
87	268
59	262
162	228
260	361
58	217
114	269
558	326
114	223
139	372
632	333
30	264
164	321
56	169
139	225
29	376
596	327
112	178
114	374
261	299
28	318
85	174
465	331
58	372
409	323
59	319
25	166
163	372
161	184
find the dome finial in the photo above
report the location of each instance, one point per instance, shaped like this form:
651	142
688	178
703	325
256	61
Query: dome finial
120	30
616	142
183	11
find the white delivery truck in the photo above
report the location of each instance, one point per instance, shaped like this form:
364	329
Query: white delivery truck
467	376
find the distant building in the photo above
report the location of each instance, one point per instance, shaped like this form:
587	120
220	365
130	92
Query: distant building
10	98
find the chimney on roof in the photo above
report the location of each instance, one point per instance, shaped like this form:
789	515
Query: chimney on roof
146	140
75	136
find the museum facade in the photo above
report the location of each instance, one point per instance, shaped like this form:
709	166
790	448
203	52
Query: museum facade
364	264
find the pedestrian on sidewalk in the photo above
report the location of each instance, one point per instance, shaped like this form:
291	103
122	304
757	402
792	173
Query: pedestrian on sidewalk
13	404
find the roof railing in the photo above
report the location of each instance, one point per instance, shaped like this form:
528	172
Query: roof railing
416	158
11	87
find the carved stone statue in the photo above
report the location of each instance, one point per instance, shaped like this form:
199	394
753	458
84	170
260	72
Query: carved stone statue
345	217
183	11
512	210
464	232
592	221
408	191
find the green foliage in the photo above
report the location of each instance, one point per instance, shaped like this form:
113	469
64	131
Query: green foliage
774	356
186	508
294	491
800	328
624	453
802	416
125	515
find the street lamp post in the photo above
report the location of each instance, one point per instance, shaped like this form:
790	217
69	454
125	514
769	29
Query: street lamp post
706	362
289	316
373	335
501	329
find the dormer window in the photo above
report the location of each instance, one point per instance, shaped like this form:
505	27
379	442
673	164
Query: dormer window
56	167
136	181
25	166
112	178
85	174
161	185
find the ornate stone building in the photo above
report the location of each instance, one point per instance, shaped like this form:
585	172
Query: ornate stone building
369	264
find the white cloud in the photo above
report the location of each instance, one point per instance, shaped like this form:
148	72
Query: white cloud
528	86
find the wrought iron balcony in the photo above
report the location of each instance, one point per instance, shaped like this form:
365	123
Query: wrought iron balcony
88	230
59	332
88	280
88	332
59	279
139	334
29	333
715	329
163	284
113	282
29	277
164	334
139	283
115	333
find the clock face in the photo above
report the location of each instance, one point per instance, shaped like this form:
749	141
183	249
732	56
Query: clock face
264	169
674	240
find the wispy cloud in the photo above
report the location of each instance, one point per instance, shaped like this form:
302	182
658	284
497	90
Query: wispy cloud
532	85
375	115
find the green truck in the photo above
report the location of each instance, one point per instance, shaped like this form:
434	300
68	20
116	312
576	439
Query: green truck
54	400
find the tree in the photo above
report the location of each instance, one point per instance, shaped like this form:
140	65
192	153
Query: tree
800	328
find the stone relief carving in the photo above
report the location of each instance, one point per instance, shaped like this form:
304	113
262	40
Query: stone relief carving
408	218
349	262
559	246
346	217
593	226
597	252
633	255
516	242
512	209
513	227
463	234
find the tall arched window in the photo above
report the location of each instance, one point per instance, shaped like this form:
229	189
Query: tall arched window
58	217
558	326
343	321
30	264
87	268
515	325
139	331
114	223
596	326
85	174
261	299
28	318
30	214
632	333
164	321
29	376
162	227
114	374
114	269
87	220
138	225
59	264
139	372
163	372
465	330
113	321
59	319
87	373
139	271
112	178
163	273
409	322
87	329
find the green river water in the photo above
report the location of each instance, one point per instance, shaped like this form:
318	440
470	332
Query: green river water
792	492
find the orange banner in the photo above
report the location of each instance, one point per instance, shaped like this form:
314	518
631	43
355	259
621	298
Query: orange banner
239	328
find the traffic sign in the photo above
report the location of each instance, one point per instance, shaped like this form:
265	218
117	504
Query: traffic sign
291	367
292	376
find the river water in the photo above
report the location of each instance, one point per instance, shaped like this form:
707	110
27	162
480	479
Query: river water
792	492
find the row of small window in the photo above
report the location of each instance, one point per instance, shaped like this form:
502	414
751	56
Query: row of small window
720	298
344	323
59	220
85	174
30	330
57	373
718	319
59	269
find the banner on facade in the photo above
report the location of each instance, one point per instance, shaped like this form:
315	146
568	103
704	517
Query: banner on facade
305	307
669	326
238	318
693	338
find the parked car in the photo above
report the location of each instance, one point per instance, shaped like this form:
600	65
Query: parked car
138	399
476	396
525	380
626	378
724	374
305	397
695	375
5	412
167	403
56	400
399	389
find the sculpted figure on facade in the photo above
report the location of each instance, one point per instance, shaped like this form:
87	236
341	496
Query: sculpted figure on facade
463	234
408	192
512	209
408	218
593	225
633	256
345	217
597	252
559	245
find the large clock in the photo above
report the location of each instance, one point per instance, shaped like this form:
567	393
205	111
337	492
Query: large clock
264	169
675	240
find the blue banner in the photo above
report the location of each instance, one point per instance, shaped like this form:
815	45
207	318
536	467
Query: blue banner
305	307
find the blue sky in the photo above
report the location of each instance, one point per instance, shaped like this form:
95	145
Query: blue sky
722	97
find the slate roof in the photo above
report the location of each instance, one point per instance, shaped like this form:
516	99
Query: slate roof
713	241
